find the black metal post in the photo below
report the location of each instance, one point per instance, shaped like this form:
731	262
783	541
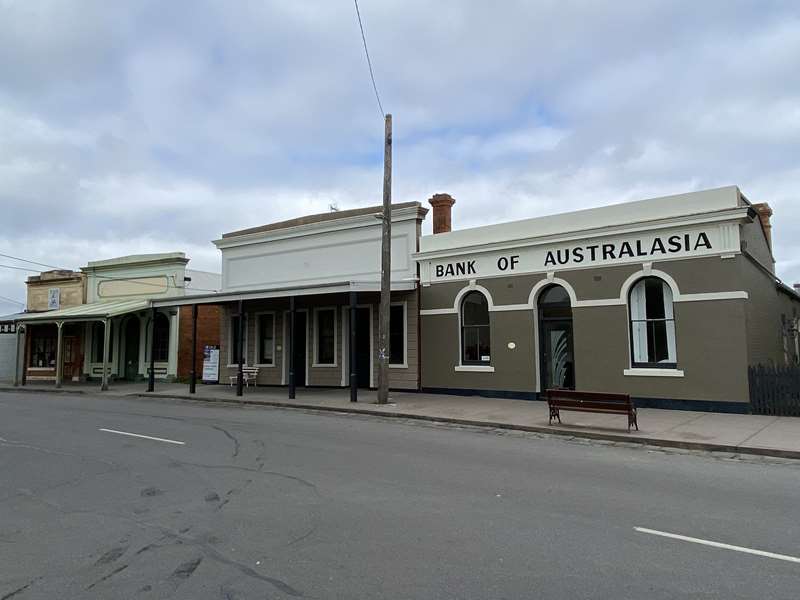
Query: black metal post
353	366
193	376
290	349
240	349
151	378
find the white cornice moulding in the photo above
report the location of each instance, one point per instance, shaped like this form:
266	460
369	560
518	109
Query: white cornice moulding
641	372
308	229
732	215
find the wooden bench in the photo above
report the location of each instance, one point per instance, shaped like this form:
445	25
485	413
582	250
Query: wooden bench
248	374
598	402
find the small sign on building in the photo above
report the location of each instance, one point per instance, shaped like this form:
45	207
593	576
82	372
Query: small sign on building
210	364
53	298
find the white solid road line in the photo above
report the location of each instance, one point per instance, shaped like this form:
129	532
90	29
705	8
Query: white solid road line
147	437
684	538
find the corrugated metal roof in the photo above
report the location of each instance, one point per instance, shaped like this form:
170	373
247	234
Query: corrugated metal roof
96	310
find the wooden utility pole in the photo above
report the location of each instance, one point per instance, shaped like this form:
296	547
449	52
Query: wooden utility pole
386	268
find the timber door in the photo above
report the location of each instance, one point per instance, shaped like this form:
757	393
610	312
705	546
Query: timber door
132	349
299	345
72	357
556	355
363	346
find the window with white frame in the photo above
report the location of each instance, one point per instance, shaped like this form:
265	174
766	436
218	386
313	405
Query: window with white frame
652	324
475	343
233	352
325	336
266	339
397	334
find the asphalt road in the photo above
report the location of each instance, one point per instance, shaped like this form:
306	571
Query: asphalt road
270	503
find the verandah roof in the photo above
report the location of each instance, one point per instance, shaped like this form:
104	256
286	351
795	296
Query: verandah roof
87	312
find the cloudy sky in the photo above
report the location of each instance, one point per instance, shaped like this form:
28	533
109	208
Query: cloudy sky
148	126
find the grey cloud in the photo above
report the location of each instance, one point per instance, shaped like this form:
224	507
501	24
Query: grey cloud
157	126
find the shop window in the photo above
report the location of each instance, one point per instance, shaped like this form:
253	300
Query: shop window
475	347
233	352
266	339
44	343
98	333
325	337
161	338
652	324
397	336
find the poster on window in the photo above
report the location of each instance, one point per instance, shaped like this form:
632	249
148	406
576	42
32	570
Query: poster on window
210	364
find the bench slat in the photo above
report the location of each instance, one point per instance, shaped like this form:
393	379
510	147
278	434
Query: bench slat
598	402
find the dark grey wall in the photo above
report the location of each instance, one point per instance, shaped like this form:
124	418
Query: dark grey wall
711	336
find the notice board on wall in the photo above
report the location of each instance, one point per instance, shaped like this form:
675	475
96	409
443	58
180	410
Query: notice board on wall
210	364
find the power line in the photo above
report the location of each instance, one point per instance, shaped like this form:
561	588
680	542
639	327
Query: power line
369	62
20	268
12	300
33	262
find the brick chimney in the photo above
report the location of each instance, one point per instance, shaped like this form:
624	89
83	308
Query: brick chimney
764	213
442	205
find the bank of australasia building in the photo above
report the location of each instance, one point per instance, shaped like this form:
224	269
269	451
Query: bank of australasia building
668	299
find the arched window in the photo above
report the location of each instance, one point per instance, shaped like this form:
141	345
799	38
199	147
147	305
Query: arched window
652	324
161	338
475	347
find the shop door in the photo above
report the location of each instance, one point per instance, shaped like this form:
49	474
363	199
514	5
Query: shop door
363	352
556	355
299	348
132	349
558	364
72	351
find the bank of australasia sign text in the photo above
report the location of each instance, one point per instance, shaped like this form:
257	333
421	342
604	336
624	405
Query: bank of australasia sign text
611	251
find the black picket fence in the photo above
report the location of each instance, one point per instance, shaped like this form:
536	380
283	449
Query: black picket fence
775	390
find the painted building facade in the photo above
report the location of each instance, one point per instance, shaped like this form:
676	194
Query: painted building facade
316	264
669	300
112	331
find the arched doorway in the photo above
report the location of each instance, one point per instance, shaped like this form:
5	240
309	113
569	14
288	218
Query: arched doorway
132	334
556	356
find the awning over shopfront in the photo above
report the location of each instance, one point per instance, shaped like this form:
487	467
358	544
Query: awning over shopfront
96	311
284	292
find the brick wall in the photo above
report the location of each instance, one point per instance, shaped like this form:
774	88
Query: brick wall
208	328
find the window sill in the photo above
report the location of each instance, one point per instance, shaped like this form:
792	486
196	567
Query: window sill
398	366
653	372
475	368
264	365
324	365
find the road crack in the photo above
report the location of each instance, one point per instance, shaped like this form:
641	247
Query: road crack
19	590
230	437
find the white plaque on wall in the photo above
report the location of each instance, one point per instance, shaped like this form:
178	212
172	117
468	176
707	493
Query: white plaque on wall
53	298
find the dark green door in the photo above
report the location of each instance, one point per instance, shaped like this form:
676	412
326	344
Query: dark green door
556	355
132	349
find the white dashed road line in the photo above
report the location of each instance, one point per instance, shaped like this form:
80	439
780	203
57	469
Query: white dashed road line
147	437
685	538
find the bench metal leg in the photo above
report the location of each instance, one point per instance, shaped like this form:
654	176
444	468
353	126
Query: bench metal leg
632	421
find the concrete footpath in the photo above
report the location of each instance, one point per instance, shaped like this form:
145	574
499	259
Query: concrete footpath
737	434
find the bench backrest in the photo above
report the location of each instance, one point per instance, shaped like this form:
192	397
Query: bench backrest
598	398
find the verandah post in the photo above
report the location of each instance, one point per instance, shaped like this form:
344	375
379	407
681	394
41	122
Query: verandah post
240	350
193	374
352	360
